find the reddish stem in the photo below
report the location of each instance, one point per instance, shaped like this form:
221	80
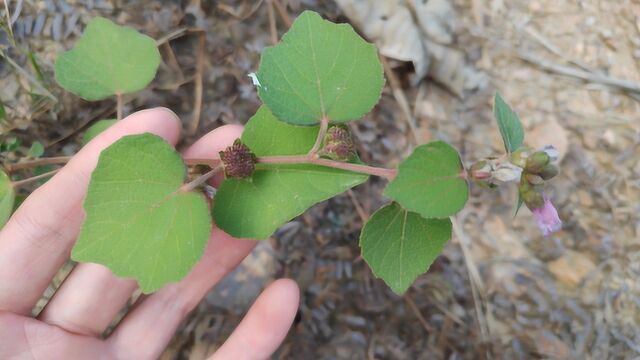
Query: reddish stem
303	159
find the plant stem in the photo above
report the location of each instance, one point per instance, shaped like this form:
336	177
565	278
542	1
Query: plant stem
197	106
272	23
119	105
211	162
305	159
27	181
201	179
324	125
38	162
214	162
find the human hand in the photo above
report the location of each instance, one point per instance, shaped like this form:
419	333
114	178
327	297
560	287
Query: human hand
37	241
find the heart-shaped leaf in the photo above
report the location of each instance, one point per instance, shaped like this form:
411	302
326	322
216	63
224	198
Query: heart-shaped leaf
95	129
320	69
107	60
399	245
7	196
138	221
509	125
255	207
430	181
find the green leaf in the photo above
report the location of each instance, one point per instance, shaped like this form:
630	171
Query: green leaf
509	125
3	113
107	60
10	144
7	196
320	69
518	205
430	181
138	223
399	245
95	129
36	150
255	207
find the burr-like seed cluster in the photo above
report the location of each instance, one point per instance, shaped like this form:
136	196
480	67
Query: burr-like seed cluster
238	160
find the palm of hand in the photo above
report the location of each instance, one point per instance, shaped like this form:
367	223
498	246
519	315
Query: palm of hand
37	240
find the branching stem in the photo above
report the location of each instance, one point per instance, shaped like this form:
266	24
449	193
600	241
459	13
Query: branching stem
324	125
201	179
214	162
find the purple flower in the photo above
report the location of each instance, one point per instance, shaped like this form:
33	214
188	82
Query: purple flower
547	218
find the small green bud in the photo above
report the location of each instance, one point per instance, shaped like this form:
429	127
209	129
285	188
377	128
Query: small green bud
536	162
338	144
534	179
481	170
533	199
519	157
549	172
238	160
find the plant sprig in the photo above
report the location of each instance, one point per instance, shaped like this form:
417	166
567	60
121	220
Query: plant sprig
144	221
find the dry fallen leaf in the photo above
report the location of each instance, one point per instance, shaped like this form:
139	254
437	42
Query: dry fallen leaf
415	31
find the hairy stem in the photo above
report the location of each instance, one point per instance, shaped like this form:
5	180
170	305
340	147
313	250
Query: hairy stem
214	162
211	162
27	181
201	179
37	162
324	125
305	159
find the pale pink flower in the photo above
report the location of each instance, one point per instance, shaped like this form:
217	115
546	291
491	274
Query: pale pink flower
547	218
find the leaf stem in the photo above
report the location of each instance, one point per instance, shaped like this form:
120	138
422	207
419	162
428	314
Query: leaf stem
37	162
305	159
19	183
201	179
324	125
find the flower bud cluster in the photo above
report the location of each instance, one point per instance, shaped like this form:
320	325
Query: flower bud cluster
338	144
238	160
531	169
538	168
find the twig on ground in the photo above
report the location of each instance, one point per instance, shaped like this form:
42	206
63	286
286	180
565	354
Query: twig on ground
32	179
282	11
407	298
173	61
593	77
272	22
359	209
477	285
401	98
197	106
97	114
172	35
37	162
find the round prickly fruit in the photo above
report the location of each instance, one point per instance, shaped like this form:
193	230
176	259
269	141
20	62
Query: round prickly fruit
238	160
338	144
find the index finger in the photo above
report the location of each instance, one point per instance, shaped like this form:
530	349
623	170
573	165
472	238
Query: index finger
37	240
